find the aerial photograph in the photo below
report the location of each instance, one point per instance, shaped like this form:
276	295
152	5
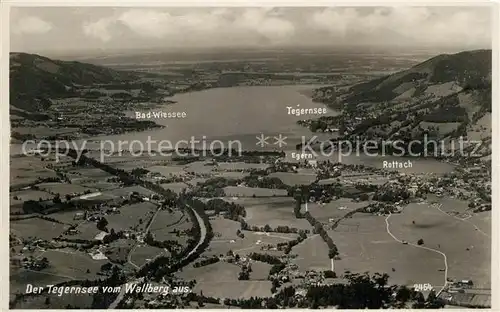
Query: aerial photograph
250	157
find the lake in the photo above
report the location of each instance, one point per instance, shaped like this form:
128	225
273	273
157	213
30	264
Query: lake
241	114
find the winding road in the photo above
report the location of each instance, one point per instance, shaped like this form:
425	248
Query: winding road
199	219
422	247
203	234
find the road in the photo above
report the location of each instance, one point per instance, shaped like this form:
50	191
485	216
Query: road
129	257
203	234
422	247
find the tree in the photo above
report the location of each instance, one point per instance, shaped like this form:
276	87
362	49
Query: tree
333	252
102	223
403	294
420	242
329	274
57	199
200	302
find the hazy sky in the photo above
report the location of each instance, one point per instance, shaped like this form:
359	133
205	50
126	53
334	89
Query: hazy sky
87	28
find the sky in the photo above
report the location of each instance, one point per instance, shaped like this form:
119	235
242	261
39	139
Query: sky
62	29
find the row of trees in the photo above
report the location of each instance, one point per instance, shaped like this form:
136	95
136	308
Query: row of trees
319	229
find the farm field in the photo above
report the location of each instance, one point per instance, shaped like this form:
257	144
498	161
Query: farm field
260	271
117	251
75	264
176	187
292	179
221	280
243	191
99	185
469	251
482	220
86	230
195	181
64	188
56	301
452	206
67	217
21	177
272	211
130	216
125	191
94	173
25	195
36	227
252	242
363	242
167	171
232	174
166	222
335	209
144	253
224	229
312	254
20	277
199	167
240	166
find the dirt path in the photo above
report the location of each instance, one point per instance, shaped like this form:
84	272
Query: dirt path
422	247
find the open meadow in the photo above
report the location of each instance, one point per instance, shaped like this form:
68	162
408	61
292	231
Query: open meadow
365	245
221	280
468	253
273	211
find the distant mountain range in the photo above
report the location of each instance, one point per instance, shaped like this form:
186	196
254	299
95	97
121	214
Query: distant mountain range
445	97
35	79
467	70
